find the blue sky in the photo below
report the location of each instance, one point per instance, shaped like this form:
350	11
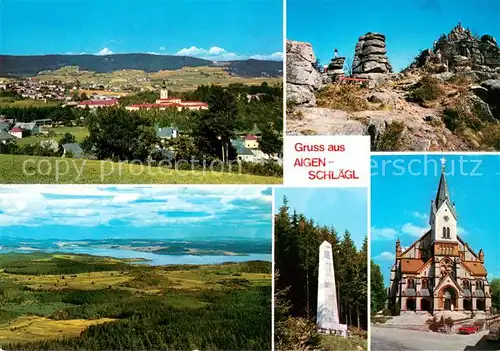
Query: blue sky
97	212
409	25
341	208
213	29
402	188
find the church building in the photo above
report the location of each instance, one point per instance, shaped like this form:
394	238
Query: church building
440	271
165	102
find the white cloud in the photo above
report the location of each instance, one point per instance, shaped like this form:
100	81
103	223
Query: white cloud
191	51
383	233
217	53
214	53
276	56
104	51
413	230
215	50
89	205
385	256
421	216
162	48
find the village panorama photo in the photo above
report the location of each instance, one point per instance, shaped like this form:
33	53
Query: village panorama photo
135	93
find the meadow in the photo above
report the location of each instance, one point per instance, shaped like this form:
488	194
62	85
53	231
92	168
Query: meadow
27	103
78	132
184	79
22	169
62	301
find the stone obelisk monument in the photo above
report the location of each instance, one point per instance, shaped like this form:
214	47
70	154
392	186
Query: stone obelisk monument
328	312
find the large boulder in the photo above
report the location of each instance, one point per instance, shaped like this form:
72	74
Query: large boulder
492	95
302	78
370	55
300	94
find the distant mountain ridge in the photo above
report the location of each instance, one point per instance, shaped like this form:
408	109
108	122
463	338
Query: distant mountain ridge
11	65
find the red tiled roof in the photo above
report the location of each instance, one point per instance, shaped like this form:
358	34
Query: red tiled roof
16	130
411	265
250	137
110	102
172	104
475	267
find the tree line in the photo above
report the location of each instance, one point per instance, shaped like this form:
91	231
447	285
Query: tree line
64	115
297	242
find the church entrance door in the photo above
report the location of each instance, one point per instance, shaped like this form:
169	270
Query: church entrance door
410	305
449	298
425	305
447	303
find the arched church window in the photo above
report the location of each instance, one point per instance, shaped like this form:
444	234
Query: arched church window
425	283
448	232
444	232
466	284
479	285
410	284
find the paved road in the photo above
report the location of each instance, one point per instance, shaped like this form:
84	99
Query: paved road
389	339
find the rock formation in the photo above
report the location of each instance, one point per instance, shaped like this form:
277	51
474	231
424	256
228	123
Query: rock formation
336	67
491	95
370	55
460	50
302	78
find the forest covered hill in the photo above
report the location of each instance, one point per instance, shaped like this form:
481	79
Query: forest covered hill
32	65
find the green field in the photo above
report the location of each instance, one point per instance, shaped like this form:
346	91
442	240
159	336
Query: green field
27	103
78	132
21	169
185	79
68	302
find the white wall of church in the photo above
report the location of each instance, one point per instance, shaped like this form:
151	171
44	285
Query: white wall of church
440	222
469	256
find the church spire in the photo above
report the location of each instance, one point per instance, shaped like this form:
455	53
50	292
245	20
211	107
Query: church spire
442	193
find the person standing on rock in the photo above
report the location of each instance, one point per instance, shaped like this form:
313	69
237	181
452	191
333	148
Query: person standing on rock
325	68
335	53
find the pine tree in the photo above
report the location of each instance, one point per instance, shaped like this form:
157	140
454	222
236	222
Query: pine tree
377	289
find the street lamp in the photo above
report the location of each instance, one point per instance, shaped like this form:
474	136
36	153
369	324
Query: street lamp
222	145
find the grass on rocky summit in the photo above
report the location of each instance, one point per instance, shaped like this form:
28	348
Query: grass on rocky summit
345	97
21	169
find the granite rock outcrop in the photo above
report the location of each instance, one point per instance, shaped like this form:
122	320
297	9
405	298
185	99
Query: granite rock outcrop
371	55
302	77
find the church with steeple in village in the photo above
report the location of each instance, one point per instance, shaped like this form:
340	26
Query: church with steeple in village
440	271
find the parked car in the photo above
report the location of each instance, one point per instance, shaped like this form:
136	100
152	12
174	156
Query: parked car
468	329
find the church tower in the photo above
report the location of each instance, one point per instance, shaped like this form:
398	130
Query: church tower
443	217
164	91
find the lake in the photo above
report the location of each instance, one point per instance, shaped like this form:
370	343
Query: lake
156	259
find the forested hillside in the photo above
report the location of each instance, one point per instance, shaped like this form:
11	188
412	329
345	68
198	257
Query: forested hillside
32	65
81	302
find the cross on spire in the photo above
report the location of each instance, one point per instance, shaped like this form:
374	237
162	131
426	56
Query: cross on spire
443	163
